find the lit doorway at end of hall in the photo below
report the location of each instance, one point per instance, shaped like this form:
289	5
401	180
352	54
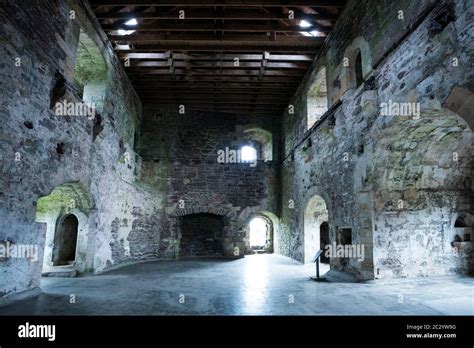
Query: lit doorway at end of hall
260	236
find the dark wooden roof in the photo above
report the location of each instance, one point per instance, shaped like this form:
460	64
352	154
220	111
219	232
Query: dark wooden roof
241	56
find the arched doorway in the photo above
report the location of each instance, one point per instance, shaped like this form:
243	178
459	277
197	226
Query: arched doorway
66	211
316	213
65	241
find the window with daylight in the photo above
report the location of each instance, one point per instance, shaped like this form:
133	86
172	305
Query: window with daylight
248	153
262	141
317	103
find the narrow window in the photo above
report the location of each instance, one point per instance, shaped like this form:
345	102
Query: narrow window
358	70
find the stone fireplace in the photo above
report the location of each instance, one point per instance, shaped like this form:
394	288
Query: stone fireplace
201	235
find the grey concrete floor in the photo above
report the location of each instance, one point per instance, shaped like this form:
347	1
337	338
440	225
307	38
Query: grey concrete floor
254	285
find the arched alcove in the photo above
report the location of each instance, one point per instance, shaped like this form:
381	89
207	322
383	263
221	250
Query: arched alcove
357	64
66	241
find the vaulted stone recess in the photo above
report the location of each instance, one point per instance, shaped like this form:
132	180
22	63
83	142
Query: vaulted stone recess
349	125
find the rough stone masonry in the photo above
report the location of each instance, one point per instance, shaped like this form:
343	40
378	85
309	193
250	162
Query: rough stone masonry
400	184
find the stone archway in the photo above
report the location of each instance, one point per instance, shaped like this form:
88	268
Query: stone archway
272	220
316	213
358	64
57	210
268	232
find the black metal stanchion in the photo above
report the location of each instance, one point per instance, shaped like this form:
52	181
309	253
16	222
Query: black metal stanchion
316	261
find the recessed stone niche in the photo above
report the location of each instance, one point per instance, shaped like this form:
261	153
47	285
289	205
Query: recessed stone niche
201	235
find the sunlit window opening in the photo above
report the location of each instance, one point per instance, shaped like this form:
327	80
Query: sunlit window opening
305	24
258	232
131	22
249	154
317	103
123	32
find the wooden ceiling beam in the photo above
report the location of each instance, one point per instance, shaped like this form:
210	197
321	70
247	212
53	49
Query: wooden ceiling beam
229	38
191	85
211	72
226	3
284	44
243	92
219	57
229	106
246	48
219	101
217	64
246	111
211	15
237	56
267	80
270	102
229	96
263	105
241	28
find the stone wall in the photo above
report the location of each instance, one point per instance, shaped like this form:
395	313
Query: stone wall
398	182
180	153
40	151
201	235
395	183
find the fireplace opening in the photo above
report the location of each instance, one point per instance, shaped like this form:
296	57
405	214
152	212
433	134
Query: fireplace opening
201	235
